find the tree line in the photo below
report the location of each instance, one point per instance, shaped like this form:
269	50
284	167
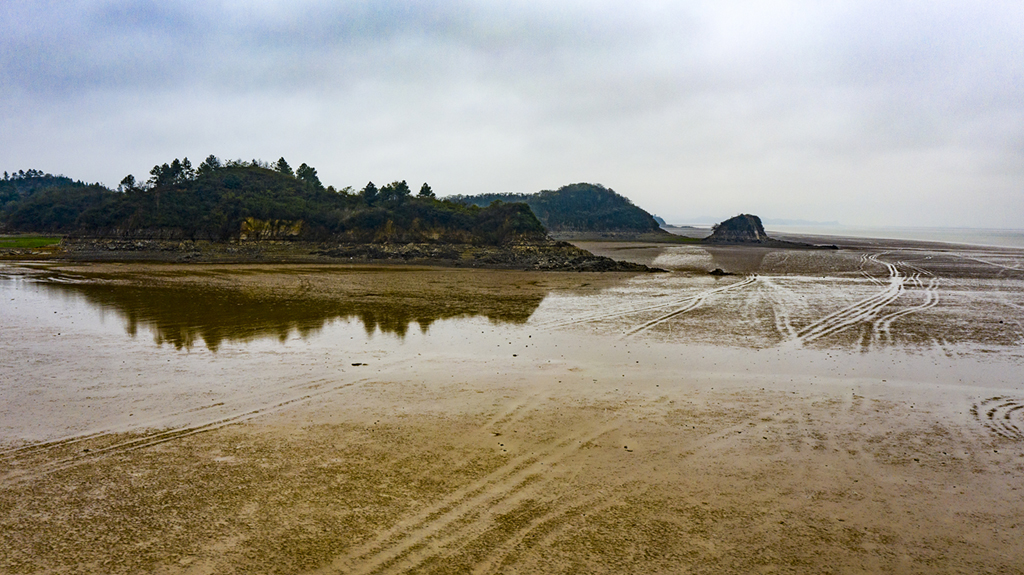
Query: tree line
210	202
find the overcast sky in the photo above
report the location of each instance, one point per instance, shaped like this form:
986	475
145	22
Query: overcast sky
869	113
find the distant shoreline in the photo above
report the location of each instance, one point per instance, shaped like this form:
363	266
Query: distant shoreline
981	237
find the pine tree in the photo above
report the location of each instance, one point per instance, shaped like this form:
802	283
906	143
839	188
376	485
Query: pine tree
283	167
127	184
369	194
210	164
308	175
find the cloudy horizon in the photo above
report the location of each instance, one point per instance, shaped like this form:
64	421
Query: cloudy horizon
866	113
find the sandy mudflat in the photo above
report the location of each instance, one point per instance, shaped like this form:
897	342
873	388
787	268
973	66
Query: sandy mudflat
836	422
509	480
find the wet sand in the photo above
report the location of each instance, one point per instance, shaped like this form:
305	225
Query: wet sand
843	412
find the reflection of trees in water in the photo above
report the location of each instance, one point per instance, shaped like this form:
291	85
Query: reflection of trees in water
182	316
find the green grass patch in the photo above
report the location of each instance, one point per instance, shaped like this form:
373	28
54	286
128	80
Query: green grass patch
28	241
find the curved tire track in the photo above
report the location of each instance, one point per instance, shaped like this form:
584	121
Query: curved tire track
858	312
881	327
1003	416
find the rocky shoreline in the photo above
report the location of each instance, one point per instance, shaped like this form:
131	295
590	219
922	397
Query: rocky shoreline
554	256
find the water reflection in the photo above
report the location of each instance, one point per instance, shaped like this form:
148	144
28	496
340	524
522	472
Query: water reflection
182	315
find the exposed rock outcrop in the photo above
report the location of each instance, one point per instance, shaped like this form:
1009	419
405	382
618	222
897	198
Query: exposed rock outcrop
746	229
742	229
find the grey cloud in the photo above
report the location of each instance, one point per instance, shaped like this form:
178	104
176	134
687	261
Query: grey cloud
728	97
99	45
85	46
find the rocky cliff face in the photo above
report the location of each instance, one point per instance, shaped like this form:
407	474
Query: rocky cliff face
742	229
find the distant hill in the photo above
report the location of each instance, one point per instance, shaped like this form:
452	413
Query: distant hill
577	208
253	200
36	201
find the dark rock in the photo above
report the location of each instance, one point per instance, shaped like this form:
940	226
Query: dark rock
742	229
746	229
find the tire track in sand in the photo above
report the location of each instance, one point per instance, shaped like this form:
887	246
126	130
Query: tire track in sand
490	533
56	444
858	312
691	303
1003	416
154	430
466	511
627	310
15	476
781	307
863	262
1004	267
881	327
614	313
544	530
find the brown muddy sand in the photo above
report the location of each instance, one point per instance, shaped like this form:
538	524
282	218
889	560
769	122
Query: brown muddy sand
575	450
505	481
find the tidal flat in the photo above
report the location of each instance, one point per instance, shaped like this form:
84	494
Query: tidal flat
849	411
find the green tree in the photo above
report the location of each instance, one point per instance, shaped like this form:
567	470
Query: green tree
176	172
127	184
209	165
395	193
369	194
308	175
426	192
283	167
160	175
187	173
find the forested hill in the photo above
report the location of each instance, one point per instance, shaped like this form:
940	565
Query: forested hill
577	208
36	201
252	200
